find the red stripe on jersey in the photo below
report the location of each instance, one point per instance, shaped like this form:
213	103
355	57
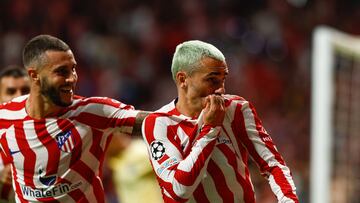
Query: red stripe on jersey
244	155
97	151
94	100
95	148
66	125
174	111
243	151
5	123
47	199
98	190
13	106
169	200
262	163
281	180
221	186
103	122
204	131
18	189
81	168
51	147
238	126
76	194
108	139
173	137
191	131
268	142
245	183
28	154
149	128
5	152
164	158
175	199
199	194
17	185
188	178
89	175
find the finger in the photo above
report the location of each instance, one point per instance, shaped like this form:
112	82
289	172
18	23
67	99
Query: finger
213	101
218	100
207	103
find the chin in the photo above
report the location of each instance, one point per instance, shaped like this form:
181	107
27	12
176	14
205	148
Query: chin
64	102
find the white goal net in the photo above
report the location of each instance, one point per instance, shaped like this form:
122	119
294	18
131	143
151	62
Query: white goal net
335	117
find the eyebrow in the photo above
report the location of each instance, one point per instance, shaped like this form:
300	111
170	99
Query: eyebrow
216	73
64	66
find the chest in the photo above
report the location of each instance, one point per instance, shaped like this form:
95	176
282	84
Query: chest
44	141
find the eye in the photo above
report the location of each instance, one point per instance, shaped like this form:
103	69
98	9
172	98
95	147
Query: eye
214	81
62	71
25	90
10	91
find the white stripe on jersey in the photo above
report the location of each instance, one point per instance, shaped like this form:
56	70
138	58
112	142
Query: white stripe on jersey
209	187
15	152
12	115
230	173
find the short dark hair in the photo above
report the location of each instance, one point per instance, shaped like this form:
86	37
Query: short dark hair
38	45
13	71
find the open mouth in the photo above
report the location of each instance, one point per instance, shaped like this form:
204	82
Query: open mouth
67	90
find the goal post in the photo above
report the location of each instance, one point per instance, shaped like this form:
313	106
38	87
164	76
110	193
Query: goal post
327	44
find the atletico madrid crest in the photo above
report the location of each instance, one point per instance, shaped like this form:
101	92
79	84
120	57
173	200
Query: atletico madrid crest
65	141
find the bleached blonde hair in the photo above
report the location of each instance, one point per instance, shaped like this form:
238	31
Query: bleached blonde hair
188	55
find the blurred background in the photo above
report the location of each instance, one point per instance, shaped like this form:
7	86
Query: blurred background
124	50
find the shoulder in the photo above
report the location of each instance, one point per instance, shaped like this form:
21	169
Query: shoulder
165	111
166	115
159	116
78	100
234	100
13	110
15	104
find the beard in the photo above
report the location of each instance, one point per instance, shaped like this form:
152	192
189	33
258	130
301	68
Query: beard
52	93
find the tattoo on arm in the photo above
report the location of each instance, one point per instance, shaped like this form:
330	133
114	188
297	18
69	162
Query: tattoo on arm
138	122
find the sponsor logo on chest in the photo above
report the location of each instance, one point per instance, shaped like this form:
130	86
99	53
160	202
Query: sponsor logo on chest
53	191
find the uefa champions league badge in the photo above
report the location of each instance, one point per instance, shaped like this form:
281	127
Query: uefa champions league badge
157	150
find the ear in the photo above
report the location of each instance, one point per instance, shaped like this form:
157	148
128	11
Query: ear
33	74
181	79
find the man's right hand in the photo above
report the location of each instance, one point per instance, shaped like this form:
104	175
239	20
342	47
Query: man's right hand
214	111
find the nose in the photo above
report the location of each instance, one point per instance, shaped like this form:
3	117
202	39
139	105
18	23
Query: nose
17	93
72	78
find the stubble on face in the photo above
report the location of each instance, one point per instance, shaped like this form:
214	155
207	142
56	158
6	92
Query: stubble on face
52	93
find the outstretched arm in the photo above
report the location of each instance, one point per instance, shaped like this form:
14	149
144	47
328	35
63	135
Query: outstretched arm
138	122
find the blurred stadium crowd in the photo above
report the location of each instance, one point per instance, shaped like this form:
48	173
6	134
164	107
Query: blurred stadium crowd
124	49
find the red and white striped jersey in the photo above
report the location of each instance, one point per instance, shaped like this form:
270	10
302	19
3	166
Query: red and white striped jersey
58	159
200	163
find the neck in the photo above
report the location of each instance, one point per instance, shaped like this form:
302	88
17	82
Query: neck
38	106
188	106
